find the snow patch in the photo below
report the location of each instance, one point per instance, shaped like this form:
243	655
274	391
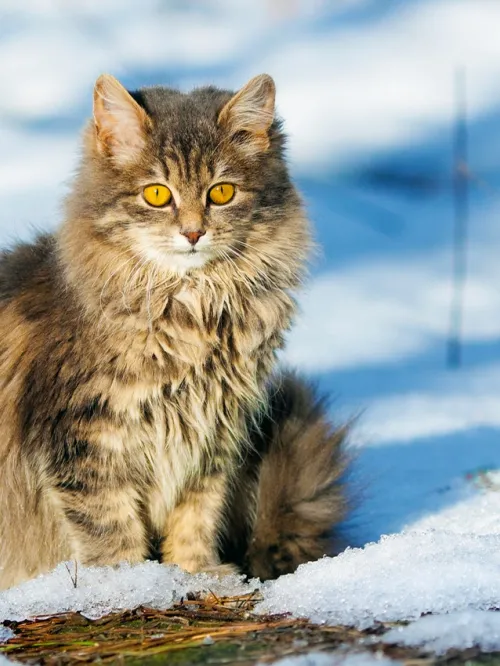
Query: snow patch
5	634
462	630
103	590
398	578
336	659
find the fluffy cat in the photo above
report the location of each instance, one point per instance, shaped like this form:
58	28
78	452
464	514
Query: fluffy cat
140	413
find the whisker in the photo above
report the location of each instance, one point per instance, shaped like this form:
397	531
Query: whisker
104	287
104	269
242	277
151	276
240	256
270	261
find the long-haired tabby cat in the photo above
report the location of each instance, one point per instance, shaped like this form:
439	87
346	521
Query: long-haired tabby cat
139	411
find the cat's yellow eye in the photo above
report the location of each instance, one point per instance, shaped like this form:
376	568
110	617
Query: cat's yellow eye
157	195
221	194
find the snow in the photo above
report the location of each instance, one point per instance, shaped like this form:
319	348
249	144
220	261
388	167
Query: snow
337	659
311	659
5	634
458	630
447	563
102	590
398	578
363	330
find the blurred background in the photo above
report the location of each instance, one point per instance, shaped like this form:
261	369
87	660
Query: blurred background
393	113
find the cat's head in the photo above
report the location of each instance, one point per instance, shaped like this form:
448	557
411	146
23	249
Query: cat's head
184	180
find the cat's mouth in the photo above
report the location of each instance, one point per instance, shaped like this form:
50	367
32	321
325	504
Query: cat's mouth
180	259
186	259
187	244
189	252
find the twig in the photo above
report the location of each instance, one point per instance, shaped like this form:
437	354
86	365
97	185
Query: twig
74	579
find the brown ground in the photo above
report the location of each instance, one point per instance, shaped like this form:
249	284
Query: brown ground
203	631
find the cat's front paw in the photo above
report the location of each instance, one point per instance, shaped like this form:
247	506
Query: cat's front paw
221	570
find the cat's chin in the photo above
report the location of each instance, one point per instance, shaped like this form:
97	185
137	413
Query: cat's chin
180	262
183	262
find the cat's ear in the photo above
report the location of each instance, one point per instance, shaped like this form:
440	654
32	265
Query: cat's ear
121	124
251	111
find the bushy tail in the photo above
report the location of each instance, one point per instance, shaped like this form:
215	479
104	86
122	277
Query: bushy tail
289	495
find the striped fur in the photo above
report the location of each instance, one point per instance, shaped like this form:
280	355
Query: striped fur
131	380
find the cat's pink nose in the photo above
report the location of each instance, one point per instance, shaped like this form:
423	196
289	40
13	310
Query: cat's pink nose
193	236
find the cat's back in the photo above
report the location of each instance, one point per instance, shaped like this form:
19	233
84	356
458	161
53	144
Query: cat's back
28	316
30	537
27	277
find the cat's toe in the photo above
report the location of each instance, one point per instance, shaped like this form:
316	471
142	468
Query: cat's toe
221	570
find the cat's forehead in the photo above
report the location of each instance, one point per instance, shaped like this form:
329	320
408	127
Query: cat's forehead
177	113
185	129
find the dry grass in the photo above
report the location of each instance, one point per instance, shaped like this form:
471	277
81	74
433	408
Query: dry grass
208	630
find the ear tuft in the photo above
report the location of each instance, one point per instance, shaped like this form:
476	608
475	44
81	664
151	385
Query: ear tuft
251	110
120	123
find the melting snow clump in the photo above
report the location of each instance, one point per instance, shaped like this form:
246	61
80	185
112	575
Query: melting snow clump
337	659
102	590
439	633
5	634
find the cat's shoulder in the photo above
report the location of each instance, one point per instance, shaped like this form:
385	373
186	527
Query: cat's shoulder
26	265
